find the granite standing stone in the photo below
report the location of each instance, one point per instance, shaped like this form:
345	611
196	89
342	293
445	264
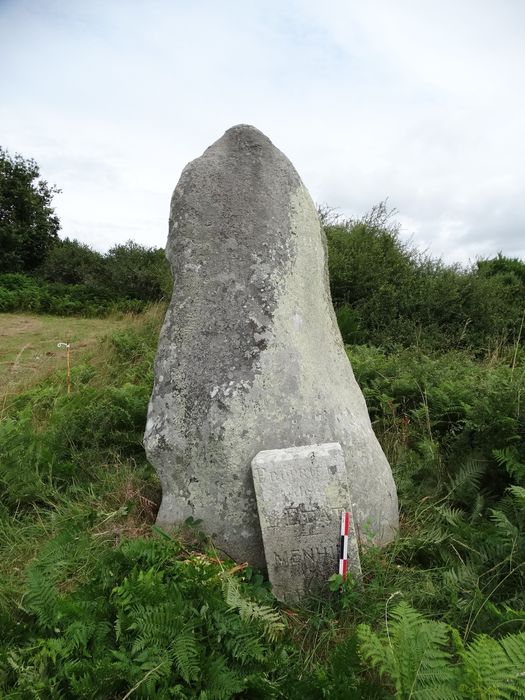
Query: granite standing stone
301	493
250	357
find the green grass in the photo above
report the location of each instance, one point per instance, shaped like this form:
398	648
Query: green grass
59	459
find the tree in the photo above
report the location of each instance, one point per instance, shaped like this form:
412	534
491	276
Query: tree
72	262
28	224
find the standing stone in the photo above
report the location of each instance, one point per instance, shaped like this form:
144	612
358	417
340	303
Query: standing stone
301	493
250	357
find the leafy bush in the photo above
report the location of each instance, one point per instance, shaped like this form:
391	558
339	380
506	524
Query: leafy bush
137	272
73	280
78	427
399	297
348	323
23	293
73	263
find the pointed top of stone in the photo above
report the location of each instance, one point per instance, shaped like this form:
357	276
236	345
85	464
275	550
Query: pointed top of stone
239	128
244	137
245	130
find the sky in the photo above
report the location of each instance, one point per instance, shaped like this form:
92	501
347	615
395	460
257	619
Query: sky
420	102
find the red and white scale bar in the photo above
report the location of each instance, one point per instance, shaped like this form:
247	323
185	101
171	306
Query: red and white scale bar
343	555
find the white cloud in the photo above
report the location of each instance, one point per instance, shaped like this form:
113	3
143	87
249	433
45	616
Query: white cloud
418	102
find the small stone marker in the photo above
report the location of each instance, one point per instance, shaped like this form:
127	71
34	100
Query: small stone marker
301	492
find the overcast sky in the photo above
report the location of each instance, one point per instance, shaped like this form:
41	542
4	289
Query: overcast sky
418	101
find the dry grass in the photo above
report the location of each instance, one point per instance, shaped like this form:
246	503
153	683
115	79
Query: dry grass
28	346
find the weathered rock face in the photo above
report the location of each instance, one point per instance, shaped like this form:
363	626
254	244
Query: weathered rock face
250	357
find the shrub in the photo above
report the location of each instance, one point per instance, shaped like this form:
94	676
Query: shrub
137	272
73	263
400	297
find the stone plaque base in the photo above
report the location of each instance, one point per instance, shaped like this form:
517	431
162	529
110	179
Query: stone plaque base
301	492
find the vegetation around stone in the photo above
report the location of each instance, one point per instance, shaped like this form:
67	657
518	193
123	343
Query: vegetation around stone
96	602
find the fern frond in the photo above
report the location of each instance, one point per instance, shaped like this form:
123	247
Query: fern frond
518	493
41	599
461	577
155	624
414	653
378	654
78	634
467	480
245	647
222	683
186	653
507	531
424	659
452	516
269	618
496	669
477	508
514	646
508	458
434	532
155	667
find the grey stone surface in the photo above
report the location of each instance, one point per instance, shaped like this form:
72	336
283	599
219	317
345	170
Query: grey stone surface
250	357
301	492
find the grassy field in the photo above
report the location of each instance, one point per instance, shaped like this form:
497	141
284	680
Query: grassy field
28	346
